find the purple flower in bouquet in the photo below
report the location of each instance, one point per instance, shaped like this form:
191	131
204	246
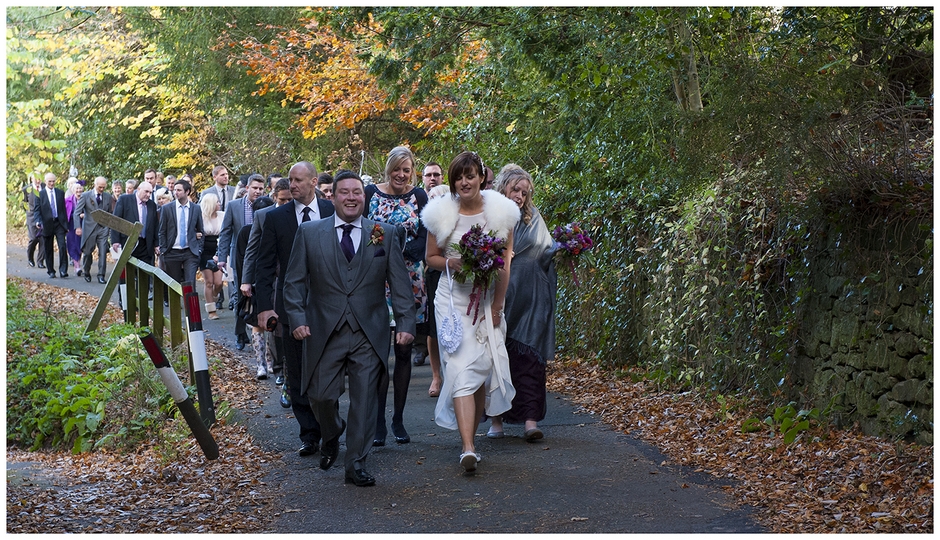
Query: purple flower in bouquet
481	257
570	242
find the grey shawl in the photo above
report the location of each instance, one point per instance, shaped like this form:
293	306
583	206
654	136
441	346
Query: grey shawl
530	299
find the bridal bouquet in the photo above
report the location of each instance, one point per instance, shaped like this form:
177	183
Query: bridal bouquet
570	242
481	256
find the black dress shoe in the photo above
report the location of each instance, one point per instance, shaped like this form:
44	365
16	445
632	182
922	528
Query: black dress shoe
279	380
101	280
42	264
285	400
239	345
79	273
330	450
64	274
31	264
52	275
87	278
308	449
360	477
378	442
328	454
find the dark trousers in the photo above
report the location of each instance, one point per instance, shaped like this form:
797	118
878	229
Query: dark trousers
271	353
144	255
141	252
240	326
292	351
181	265
59	234
35	240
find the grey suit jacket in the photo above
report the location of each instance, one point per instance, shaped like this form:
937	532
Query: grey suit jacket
317	295
169	228
229	193
87	204
232	223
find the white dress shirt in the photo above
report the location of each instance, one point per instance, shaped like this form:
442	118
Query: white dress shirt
314	211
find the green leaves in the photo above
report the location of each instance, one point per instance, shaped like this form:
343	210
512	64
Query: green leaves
791	422
59	381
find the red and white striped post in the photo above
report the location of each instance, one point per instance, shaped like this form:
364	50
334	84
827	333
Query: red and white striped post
172	382
197	345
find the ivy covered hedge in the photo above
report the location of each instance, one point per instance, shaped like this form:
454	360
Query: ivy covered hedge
713	291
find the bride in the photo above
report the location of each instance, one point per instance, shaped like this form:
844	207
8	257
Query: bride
476	374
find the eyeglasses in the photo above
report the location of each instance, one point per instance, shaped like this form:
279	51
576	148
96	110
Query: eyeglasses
432	174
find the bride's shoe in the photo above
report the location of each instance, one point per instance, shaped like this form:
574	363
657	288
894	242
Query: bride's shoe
469	460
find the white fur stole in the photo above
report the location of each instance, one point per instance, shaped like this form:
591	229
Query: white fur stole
440	215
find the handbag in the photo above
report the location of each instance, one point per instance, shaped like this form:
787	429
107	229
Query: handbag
451	331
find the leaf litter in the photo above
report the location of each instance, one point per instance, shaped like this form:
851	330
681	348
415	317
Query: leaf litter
829	480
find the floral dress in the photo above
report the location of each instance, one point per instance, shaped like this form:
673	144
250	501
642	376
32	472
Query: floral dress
403	210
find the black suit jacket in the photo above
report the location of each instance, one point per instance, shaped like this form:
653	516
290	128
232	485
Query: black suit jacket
126	208
169	228
277	239
44	212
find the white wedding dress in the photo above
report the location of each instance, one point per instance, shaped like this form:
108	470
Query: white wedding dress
481	358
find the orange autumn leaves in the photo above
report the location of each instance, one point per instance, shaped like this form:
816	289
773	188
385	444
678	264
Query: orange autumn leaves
324	74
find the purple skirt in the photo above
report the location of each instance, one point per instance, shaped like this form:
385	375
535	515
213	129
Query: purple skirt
528	378
73	244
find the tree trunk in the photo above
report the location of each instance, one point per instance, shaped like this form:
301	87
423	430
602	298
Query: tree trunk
685	78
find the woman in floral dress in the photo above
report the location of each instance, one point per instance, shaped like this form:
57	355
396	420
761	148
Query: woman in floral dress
398	201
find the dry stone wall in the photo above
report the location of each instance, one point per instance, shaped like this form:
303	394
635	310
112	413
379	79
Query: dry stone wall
867	334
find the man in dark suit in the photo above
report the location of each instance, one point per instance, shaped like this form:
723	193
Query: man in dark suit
334	294
31	198
238	214
50	217
281	196
277	239
180	250
136	207
94	235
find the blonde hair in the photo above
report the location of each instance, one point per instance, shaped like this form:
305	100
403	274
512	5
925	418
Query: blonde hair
510	175
209	205
396	157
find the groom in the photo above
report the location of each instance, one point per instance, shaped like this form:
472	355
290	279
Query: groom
335	286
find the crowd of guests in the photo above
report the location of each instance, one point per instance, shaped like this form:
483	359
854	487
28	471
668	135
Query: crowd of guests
340	272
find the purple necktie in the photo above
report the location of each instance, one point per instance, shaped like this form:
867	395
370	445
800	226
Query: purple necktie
346	243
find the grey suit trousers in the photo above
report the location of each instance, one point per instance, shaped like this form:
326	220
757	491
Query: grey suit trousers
100	241
347	352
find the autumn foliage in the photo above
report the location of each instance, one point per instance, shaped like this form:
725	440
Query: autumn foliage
326	76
